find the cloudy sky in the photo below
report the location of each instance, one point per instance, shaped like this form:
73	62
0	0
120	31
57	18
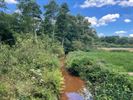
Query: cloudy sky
109	17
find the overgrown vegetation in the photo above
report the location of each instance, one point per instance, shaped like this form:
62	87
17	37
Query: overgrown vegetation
31	43
33	39
30	70
104	83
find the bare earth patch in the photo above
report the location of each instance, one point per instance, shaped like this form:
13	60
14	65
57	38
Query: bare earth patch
111	49
130	73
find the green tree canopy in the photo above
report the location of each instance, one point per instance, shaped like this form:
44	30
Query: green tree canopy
29	15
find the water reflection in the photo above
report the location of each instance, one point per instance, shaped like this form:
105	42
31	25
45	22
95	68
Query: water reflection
85	95
74	96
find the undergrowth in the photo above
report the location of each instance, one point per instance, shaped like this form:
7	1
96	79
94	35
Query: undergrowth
30	70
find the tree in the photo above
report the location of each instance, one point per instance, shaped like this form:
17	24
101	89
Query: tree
2	4
117	41
81	33
130	40
62	23
50	14
110	39
87	33
74	30
6	34
29	16
57	22
122	40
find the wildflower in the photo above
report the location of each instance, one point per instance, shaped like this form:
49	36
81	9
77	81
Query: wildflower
33	78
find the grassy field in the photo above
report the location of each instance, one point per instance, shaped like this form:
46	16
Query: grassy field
123	60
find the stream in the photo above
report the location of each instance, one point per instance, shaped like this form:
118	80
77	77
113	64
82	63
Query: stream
73	88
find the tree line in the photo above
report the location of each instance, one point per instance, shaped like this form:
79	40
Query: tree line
116	40
55	21
73	32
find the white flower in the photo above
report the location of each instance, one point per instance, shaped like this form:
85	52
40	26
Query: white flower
32	70
33	78
39	74
41	80
38	71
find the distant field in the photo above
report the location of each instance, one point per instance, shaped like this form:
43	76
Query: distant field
123	60
117	49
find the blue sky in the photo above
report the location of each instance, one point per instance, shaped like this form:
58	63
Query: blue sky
109	17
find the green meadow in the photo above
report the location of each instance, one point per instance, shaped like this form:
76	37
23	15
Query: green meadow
123	60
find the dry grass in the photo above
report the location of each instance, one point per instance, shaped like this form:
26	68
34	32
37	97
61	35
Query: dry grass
117	49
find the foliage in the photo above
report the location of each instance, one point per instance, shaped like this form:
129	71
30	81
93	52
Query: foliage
116	41
70	30
29	65
73	32
105	84
29	16
48	25
29	70
2	4
6	34
76	30
109	85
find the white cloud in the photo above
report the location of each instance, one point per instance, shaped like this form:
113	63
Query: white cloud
120	32
127	20
126	3
97	3
11	1
101	34
17	11
101	3
131	0
108	18
130	35
92	20
103	20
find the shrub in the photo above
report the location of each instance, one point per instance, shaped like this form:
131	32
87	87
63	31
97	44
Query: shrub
3	91
31	70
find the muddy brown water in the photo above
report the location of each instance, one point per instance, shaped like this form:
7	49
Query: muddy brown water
72	84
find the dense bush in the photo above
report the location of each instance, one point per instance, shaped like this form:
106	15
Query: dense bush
105	84
30	70
77	62
6	34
